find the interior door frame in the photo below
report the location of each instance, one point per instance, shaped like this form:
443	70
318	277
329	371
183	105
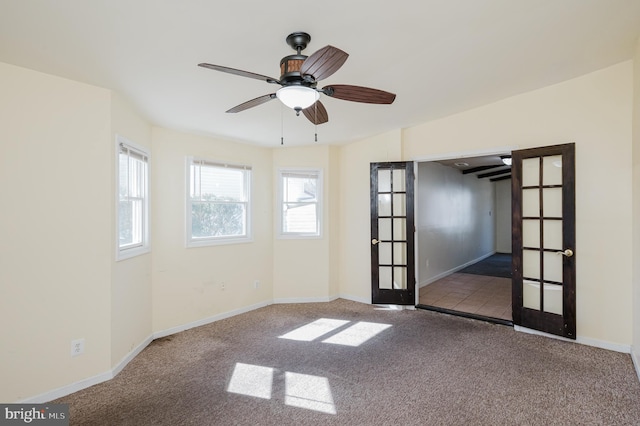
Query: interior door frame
504	150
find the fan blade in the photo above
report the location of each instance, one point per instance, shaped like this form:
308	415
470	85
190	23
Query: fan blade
366	95
316	113
253	102
324	62
240	73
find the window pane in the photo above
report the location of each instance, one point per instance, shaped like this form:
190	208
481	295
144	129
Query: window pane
219	198
126	225
132	197
194	181
299	189
123	173
300	207
299	218
222	184
217	219
136	177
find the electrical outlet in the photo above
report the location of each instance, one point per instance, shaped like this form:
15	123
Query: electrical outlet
77	347
256	284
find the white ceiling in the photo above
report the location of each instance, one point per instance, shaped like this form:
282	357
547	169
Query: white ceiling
439	57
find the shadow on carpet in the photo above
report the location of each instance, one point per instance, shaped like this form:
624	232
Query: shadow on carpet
497	265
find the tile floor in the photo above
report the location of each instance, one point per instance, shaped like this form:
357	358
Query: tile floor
475	294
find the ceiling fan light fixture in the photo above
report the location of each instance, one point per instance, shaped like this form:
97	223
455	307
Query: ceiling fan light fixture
506	159
298	97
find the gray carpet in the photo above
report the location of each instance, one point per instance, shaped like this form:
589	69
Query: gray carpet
426	368
497	265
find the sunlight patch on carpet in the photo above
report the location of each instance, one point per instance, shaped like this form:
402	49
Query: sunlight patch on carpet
251	380
313	330
310	392
357	334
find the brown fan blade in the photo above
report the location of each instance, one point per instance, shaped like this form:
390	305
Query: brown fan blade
324	62
253	102
367	95
316	113
240	72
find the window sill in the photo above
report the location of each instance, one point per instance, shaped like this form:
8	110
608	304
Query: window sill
132	252
217	242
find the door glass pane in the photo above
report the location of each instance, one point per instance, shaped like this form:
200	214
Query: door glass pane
399	205
398	181
531	233
384	276
553	298
552	170
553	266
400	253
400	278
384	205
531	263
531	172
384	180
531	294
552	202
399	229
384	253
384	229
552	234
531	202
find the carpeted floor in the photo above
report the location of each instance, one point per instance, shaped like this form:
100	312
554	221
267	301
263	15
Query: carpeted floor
312	364
497	265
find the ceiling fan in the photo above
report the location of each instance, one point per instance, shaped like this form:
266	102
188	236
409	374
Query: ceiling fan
299	76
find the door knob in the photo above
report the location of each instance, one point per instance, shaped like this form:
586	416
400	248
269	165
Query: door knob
567	252
374	241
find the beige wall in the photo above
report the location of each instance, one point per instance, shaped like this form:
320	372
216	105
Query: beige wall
301	267
355	229
55	231
130	278
594	111
187	281
636	207
333	219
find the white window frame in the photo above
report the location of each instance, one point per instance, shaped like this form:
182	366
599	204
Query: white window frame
127	252
218	240
319	203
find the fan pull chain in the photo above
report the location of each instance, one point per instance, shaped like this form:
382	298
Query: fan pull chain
281	125
315	121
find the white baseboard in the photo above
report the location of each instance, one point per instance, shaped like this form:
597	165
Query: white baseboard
453	270
304	300
130	356
603	344
635	357
208	320
68	389
365	300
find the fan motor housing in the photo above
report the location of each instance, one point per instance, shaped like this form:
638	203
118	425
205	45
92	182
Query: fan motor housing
290	71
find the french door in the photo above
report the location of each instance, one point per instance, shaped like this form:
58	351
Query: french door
543	244
392	233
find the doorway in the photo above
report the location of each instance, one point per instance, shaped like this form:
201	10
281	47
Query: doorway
463	224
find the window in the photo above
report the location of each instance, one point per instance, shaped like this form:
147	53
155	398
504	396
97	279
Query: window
218	203
300	203
132	211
